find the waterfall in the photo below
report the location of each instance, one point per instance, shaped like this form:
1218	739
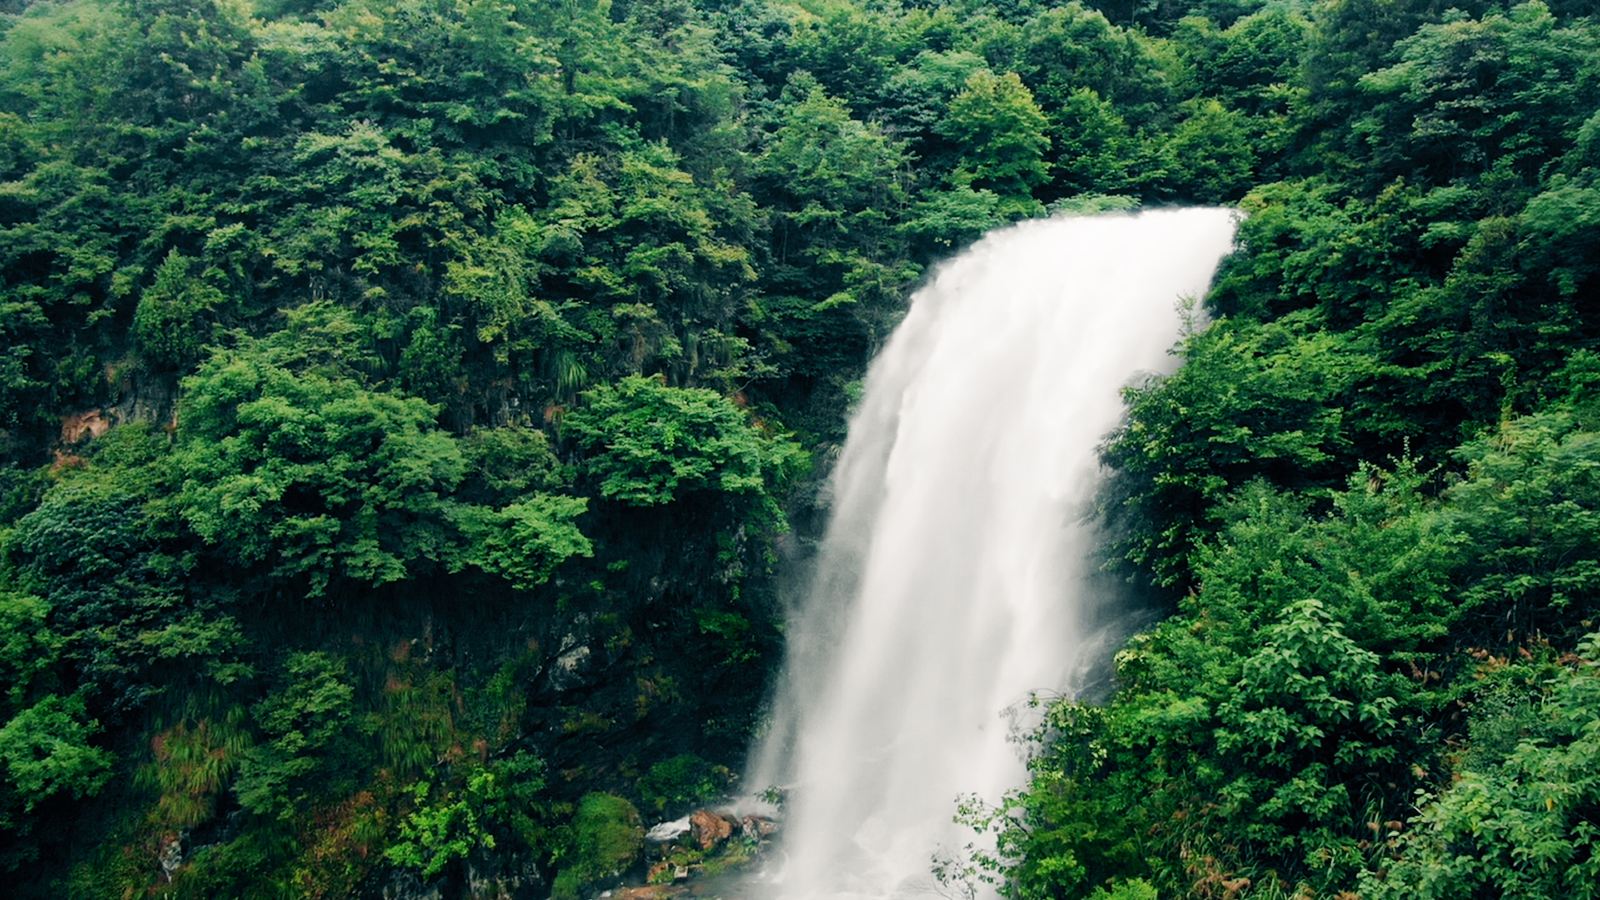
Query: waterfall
952	579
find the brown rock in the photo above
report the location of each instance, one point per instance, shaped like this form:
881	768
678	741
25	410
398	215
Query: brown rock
78	427
710	829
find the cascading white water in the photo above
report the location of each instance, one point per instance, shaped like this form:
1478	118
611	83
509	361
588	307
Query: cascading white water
945	585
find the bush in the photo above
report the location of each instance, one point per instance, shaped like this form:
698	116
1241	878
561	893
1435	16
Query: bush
606	839
680	782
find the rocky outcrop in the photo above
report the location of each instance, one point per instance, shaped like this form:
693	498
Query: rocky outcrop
681	853
83	426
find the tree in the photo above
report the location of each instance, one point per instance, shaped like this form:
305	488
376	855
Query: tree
649	444
1251	401
1071	47
1305	734
498	808
1518	819
1470	95
1000	133
173	313
916	98
834	186
1092	146
46	752
1210	156
309	747
668	254
107	551
1530	505
46	748
28	647
525	542
302	466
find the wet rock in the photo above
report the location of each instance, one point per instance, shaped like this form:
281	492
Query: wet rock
488	878
710	829
758	828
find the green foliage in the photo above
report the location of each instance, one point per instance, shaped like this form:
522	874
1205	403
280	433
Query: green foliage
1093	146
1065	835
1132	889
1517	822
999	133
192	763
497	805
1210	155
1308	727
1261	726
1530	504
650	444
46	751
1268	725
103	549
679	783
171	320
28	648
1250	402
308	726
1072	46
918	94
443	340
606	838
504	464
663	249
525	542
435	835
836	187
1467	95
945	220
287	461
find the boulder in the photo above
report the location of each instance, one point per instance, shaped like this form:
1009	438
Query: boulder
709	828
758	828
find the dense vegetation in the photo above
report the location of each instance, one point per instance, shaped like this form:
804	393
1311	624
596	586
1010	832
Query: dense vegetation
1373	491
403	404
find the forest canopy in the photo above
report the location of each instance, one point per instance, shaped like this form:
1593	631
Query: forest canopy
406	407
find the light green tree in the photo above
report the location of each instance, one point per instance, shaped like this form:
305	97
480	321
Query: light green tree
1002	138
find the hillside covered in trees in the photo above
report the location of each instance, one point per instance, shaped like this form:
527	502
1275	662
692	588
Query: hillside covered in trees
409	407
